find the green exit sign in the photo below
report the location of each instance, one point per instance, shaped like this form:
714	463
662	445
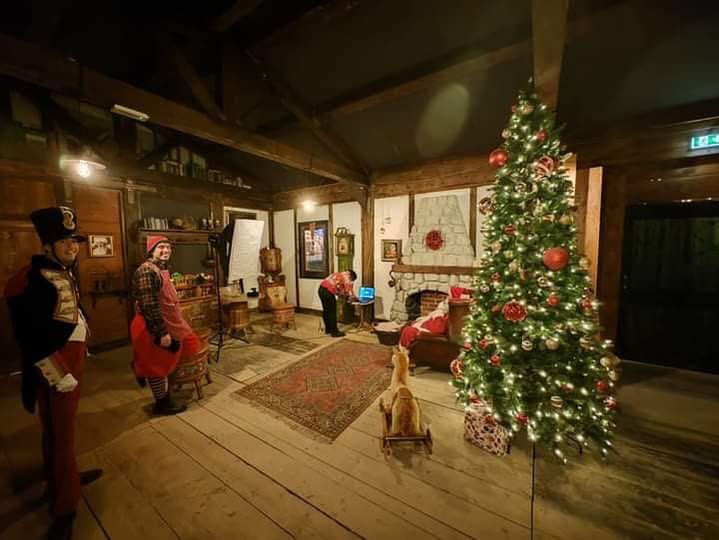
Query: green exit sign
705	141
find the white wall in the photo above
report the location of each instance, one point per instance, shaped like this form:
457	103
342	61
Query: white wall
391	222
285	240
308	287
349	215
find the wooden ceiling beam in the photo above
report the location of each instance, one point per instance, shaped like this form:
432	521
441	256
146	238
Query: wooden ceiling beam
435	175
54	71
322	132
189	76
549	30
383	92
233	15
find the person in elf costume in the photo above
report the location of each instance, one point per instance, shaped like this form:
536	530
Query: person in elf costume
158	331
51	331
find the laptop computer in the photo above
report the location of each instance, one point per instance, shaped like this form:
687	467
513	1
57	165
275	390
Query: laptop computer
366	294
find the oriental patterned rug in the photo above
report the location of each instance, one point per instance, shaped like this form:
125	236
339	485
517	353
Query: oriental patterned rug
283	343
326	390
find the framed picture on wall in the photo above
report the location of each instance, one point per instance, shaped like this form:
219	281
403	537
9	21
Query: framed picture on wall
100	245
391	250
313	249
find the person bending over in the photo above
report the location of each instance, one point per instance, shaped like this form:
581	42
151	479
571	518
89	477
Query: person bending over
334	285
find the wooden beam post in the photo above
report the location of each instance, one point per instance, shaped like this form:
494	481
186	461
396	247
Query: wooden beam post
473	218
549	29
56	72
238	10
189	76
320	129
368	240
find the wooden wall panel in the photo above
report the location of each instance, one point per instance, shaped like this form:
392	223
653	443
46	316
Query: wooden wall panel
20	194
99	212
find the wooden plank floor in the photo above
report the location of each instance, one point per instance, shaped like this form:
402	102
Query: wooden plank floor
225	469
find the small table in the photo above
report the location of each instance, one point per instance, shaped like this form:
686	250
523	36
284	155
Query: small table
366	310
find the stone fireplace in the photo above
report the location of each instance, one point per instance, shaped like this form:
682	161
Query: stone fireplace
424	270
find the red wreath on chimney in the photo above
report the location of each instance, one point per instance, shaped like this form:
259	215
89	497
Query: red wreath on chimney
434	240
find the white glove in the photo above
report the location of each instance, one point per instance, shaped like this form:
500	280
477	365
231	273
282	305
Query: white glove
67	384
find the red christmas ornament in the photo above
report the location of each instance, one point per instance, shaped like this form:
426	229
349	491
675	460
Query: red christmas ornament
522	418
496	277
510	229
498	157
541	135
514	311
602	386
467	346
567	387
495	359
586	303
483	344
456	367
545	166
434	240
610	402
553	300
555	258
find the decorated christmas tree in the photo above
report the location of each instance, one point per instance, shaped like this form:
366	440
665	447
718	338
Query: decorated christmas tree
532	349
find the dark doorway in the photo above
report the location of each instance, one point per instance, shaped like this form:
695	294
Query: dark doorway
669	307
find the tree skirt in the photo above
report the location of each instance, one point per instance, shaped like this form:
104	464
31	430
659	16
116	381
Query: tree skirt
326	390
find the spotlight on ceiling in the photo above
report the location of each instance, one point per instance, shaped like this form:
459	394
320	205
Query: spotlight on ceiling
130	113
309	206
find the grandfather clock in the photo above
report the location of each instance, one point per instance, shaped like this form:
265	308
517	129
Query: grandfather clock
345	250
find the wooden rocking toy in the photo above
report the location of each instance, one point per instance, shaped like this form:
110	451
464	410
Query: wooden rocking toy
388	438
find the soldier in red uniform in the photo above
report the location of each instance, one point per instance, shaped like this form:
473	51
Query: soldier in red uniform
159	332
51	331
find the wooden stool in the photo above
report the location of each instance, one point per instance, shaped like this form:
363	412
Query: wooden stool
283	315
237	316
192	368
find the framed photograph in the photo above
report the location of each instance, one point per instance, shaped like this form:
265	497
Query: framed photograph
313	248
100	245
391	250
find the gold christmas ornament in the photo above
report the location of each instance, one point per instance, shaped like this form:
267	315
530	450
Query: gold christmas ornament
557	402
615	374
552	344
583	263
527	344
609	361
485	205
509	254
513	266
542	281
585	342
566	219
484	287
549	217
496	247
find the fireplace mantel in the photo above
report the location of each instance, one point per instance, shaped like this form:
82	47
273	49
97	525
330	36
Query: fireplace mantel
426	269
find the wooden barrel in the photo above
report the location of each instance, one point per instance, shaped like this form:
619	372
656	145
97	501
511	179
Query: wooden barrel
192	367
271	260
283	315
237	315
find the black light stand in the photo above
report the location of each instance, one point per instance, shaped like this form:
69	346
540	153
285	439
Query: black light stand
218	339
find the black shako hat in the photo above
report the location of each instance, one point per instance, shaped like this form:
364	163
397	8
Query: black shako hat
56	223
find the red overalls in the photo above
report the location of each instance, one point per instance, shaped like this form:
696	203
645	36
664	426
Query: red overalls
151	360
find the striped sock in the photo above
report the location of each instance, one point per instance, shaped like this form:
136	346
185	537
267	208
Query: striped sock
158	387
